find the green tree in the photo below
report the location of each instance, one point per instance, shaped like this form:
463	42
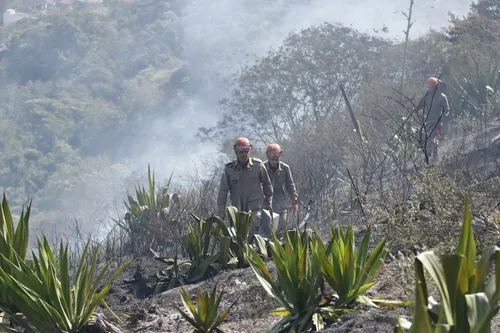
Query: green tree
74	85
297	83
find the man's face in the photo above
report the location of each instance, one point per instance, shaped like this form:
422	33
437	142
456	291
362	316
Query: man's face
242	155
274	158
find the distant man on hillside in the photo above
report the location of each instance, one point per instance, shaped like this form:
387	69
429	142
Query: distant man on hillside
247	181
281	178
434	106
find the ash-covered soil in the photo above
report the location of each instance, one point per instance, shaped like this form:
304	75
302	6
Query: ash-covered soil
250	313
133	299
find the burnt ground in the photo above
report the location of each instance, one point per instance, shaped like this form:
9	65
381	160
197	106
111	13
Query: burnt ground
144	311
251	312
133	300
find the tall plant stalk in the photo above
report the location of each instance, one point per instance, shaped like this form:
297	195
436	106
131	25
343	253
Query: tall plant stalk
405	134
2	5
407	35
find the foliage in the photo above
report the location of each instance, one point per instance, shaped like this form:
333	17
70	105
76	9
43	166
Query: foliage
468	298
204	318
45	295
479	34
298	82
172	277
203	260
152	217
303	264
240	232
298	283
83	85
486	8
212	246
475	89
13	243
349	272
74	80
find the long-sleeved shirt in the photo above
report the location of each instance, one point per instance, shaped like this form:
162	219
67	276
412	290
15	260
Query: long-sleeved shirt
435	106
248	186
282	180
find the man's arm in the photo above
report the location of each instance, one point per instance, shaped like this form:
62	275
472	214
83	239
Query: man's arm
290	185
420	105
446	105
267	185
222	196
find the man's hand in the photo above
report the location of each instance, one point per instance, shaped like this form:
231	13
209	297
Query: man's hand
268	204
439	130
294	206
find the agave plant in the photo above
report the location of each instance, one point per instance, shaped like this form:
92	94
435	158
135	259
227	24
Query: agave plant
468	300
45	295
201	245
204	319
157	202
212	246
171	277
240	230
471	89
350	273
146	213
298	283
13	243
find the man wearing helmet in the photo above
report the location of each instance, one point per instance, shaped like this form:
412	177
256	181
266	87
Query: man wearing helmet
434	106
281	178
247	181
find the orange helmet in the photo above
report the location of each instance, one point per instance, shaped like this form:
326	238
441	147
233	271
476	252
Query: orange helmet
431	82
274	149
242	142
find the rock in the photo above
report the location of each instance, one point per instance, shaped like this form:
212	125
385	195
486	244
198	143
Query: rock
98	324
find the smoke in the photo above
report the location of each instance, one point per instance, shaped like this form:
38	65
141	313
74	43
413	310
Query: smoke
369	16
171	146
219	37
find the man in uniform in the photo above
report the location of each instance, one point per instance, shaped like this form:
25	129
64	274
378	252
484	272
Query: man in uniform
281	178
247	181
435	106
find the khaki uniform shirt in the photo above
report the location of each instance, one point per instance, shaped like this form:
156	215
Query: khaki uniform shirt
281	179
248	186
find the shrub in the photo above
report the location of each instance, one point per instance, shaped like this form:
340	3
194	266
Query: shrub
468	298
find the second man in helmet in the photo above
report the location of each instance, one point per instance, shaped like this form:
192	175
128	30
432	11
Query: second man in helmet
282	180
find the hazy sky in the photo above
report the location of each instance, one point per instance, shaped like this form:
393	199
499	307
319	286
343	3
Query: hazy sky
365	15
218	30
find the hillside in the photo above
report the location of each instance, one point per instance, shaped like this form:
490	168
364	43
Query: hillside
75	88
89	97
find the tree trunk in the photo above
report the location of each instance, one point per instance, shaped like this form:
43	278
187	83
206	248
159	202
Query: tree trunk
2	10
